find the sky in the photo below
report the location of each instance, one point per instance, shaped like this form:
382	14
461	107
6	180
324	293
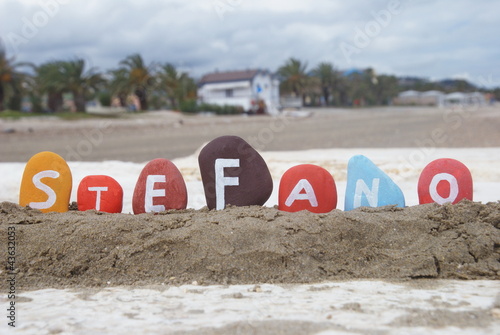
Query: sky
428	38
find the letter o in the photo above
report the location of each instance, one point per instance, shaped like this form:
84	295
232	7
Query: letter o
453	188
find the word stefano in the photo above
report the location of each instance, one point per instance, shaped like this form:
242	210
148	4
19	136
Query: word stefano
234	173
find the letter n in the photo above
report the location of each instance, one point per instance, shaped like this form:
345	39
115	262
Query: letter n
370	194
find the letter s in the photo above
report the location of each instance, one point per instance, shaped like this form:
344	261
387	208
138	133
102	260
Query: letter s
52	197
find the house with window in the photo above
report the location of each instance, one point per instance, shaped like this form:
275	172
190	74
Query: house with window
253	90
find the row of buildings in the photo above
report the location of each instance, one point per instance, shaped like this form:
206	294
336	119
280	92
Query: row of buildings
440	99
249	88
258	91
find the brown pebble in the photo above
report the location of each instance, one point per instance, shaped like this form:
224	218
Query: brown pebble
233	173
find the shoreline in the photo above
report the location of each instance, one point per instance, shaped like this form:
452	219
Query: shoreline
170	135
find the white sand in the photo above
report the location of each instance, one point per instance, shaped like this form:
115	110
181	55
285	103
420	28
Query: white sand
353	307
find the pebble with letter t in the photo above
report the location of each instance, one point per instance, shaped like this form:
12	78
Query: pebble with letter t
101	193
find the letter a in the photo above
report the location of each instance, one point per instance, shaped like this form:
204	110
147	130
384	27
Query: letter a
296	194
221	182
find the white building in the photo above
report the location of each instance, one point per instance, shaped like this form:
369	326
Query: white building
241	88
458	98
440	99
432	98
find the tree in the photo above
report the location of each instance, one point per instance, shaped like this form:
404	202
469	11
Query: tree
79	82
58	77
293	74
329	79
11	80
48	80
119	85
386	89
139	77
178	85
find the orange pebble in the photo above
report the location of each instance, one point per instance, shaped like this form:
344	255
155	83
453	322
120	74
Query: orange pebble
46	183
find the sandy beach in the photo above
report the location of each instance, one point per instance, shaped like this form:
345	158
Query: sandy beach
422	269
142	137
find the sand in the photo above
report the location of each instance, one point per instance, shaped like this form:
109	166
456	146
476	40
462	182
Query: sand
255	269
444	307
247	245
143	137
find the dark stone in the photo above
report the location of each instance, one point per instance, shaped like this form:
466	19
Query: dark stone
247	183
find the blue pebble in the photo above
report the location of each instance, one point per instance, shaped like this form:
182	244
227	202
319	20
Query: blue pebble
369	186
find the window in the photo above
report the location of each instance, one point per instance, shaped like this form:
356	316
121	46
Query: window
229	93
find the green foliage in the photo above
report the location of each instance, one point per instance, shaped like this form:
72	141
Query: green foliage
163	85
190	106
105	99
11	81
11	114
294	77
57	78
139	78
178	86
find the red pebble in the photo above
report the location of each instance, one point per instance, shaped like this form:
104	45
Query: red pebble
101	193
160	187
307	187
443	181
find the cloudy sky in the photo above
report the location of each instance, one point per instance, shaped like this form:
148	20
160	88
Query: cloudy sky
426	38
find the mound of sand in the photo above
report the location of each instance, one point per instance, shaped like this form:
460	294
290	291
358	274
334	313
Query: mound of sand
242	245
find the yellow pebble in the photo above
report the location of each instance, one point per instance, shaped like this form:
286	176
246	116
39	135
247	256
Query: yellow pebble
46	183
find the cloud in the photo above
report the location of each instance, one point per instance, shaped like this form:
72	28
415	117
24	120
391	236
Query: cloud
426	38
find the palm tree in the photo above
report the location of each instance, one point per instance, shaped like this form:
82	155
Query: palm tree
48	80
11	80
79	82
385	89
294	77
329	78
58	77
178	85
119	85
139	77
